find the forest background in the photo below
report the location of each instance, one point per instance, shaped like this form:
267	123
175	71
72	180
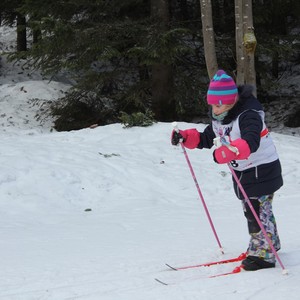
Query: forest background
141	61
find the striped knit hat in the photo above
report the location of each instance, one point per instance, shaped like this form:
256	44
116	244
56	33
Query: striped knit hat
222	89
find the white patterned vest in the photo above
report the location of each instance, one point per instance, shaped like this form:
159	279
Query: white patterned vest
265	153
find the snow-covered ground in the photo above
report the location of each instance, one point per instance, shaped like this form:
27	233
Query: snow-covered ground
95	214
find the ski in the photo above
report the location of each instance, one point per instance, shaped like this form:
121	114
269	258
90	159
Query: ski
236	270
208	264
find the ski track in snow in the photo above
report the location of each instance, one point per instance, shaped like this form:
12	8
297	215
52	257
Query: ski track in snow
145	212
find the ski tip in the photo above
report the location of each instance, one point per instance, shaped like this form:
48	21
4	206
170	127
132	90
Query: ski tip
172	268
161	282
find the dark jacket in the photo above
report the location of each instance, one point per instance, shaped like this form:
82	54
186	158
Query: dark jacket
264	179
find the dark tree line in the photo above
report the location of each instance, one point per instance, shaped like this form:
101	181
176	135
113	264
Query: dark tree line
142	55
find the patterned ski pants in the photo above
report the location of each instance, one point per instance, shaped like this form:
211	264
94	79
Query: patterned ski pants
258	245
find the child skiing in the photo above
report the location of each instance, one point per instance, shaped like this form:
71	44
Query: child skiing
238	117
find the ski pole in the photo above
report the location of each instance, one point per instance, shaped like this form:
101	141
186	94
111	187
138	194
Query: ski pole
198	188
225	143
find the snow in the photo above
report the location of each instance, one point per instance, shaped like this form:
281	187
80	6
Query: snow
96	213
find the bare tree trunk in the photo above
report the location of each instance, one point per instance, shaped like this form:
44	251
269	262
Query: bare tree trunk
249	43
275	61
36	36
220	12
163	103
208	37
183	9
36	32
21	33
240	71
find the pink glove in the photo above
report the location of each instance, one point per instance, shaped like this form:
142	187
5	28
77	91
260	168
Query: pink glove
191	138
224	155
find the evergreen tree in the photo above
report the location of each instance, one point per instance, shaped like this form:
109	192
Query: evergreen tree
115	52
110	50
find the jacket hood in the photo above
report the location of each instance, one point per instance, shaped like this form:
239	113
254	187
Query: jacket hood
245	91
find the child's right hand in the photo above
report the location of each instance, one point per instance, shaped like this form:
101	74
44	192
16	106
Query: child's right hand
190	138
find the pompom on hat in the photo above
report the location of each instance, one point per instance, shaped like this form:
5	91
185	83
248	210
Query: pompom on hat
222	90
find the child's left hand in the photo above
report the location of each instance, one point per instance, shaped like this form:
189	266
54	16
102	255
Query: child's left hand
224	154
